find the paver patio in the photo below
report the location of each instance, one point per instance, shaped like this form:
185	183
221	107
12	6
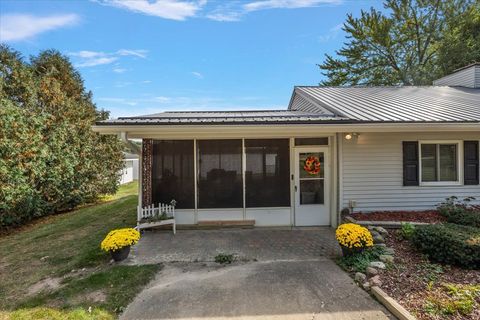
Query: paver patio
247	244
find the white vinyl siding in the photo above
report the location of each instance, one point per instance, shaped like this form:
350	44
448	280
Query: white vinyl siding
372	172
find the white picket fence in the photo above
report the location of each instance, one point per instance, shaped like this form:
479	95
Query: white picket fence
155	212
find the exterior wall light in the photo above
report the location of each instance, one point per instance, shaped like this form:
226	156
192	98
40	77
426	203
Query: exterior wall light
350	136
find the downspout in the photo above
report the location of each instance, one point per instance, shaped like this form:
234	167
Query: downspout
138	151
132	146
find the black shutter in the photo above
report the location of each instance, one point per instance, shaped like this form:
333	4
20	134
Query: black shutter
471	166
410	163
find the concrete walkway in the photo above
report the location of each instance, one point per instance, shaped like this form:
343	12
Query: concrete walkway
284	274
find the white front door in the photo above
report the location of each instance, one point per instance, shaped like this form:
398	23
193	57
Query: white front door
311	187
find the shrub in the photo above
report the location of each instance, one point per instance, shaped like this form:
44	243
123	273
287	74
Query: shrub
449	243
359	262
407	231
351	235
224	258
453	299
50	159
460	211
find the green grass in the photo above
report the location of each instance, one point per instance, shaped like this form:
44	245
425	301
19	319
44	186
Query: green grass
53	314
71	241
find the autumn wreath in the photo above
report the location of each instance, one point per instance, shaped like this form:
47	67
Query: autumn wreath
312	165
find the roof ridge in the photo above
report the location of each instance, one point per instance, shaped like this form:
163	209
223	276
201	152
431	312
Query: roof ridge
376	87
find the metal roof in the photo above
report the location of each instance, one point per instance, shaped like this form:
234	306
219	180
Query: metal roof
320	105
395	104
226	117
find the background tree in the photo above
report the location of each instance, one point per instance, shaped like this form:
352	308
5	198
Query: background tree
408	47
50	159
460	44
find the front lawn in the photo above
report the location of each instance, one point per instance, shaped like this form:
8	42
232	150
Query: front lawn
58	262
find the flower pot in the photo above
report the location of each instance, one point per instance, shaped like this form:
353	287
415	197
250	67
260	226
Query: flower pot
120	254
351	251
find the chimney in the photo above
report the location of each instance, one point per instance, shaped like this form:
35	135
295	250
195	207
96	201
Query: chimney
468	77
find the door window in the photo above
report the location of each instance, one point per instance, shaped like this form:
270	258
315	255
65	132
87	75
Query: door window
312	177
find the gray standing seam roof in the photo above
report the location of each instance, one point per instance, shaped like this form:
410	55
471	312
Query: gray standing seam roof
226	117
397	104
323	105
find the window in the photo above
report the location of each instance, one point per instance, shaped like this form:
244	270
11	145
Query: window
267	173
311	141
173	173
439	162
312	184
220	174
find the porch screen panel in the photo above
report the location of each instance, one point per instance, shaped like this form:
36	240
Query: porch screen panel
267	182
173	173
220	174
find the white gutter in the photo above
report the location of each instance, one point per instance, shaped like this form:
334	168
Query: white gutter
209	130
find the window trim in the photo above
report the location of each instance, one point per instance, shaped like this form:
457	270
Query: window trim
459	180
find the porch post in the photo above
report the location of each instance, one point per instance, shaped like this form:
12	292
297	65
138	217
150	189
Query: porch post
147	158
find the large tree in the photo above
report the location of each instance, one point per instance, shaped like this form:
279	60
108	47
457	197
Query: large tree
50	159
412	45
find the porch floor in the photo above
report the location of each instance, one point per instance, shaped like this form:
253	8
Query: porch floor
261	244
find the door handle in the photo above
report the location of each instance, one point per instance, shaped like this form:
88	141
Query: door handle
295	188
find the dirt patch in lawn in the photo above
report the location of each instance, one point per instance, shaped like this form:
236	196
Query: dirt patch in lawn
422	287
427	216
97	296
47	284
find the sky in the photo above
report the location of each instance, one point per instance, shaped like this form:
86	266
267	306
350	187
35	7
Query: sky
146	56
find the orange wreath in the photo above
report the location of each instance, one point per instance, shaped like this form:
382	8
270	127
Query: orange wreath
312	165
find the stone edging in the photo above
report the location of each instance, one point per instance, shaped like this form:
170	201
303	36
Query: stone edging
386	224
391	304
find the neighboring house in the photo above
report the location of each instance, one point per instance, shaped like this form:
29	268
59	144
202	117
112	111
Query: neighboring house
130	168
363	148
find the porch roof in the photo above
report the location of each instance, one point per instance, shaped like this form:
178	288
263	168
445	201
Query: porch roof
228	117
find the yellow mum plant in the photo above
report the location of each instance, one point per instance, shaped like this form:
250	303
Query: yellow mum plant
120	238
351	235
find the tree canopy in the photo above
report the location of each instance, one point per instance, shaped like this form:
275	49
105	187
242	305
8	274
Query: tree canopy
50	159
416	43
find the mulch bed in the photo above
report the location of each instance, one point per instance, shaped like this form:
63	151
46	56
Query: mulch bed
413	280
428	216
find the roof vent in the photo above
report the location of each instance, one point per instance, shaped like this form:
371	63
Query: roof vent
468	77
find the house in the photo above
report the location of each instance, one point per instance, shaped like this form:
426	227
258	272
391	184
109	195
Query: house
362	148
130	168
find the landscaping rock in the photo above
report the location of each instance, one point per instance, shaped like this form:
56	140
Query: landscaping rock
374	233
377	238
381	230
389	251
366	286
371	272
377	264
360	277
386	258
375	281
